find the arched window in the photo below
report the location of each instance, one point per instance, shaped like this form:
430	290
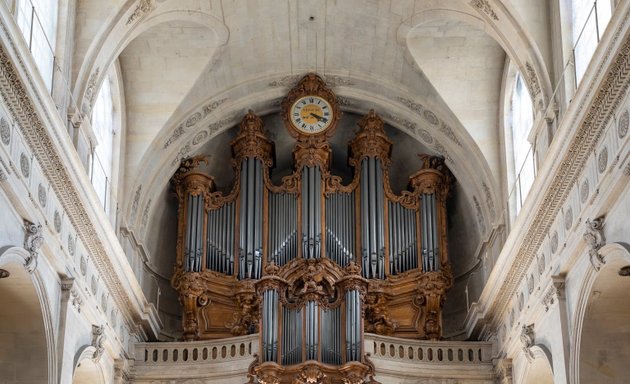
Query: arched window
589	20
103	128
520	157
37	20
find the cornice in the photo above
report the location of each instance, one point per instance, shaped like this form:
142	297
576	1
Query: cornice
581	144
44	144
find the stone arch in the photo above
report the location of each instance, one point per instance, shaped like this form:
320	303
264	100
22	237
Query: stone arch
116	35
601	330
87	370
469	166
539	368
26	329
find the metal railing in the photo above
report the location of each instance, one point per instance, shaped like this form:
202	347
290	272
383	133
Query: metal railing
563	93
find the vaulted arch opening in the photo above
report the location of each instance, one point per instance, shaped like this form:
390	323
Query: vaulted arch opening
605	334
24	348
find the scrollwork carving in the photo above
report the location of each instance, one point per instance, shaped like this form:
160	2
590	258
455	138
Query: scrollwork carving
594	237
377	317
32	242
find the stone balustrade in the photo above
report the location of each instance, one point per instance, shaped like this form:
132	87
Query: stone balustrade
458	352
397	360
216	361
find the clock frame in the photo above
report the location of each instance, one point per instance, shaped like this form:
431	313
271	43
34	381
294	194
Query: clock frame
310	109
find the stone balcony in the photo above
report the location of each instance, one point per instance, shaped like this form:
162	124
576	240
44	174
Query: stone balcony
396	361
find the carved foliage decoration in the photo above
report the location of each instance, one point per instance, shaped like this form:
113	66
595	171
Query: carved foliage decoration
485	7
142	8
377	317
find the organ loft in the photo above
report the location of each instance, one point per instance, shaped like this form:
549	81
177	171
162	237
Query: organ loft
312	263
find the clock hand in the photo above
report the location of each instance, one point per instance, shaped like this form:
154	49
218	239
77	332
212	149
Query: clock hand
318	117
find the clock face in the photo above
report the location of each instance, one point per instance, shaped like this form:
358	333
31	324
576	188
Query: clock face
311	114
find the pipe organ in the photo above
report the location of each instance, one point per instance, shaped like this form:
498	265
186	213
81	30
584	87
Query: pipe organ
311	264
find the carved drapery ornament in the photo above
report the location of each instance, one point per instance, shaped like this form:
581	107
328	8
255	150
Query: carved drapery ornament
594	238
33	241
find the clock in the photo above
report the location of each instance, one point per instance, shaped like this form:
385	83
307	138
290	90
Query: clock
311	114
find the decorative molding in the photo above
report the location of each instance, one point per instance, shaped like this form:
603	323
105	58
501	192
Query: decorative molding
448	132
337	81
532	79
4	171
285	81
44	148
594	238
622	124
68	285
550	297
486	191
5	131
193	119
142	9
25	165
90	92
41	195
485	7
33	240
607	96
602	160
503	371
344	101
568	218
57	221
409	125
479	215
134	204
584	191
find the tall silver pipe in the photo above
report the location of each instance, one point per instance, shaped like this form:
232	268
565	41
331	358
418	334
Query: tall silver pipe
380	230
423	230
365	226
372	216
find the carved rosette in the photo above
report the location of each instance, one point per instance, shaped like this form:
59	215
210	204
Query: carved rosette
371	141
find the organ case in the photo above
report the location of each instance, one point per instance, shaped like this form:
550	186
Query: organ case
311	264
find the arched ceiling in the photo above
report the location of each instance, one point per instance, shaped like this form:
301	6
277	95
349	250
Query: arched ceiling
192	68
